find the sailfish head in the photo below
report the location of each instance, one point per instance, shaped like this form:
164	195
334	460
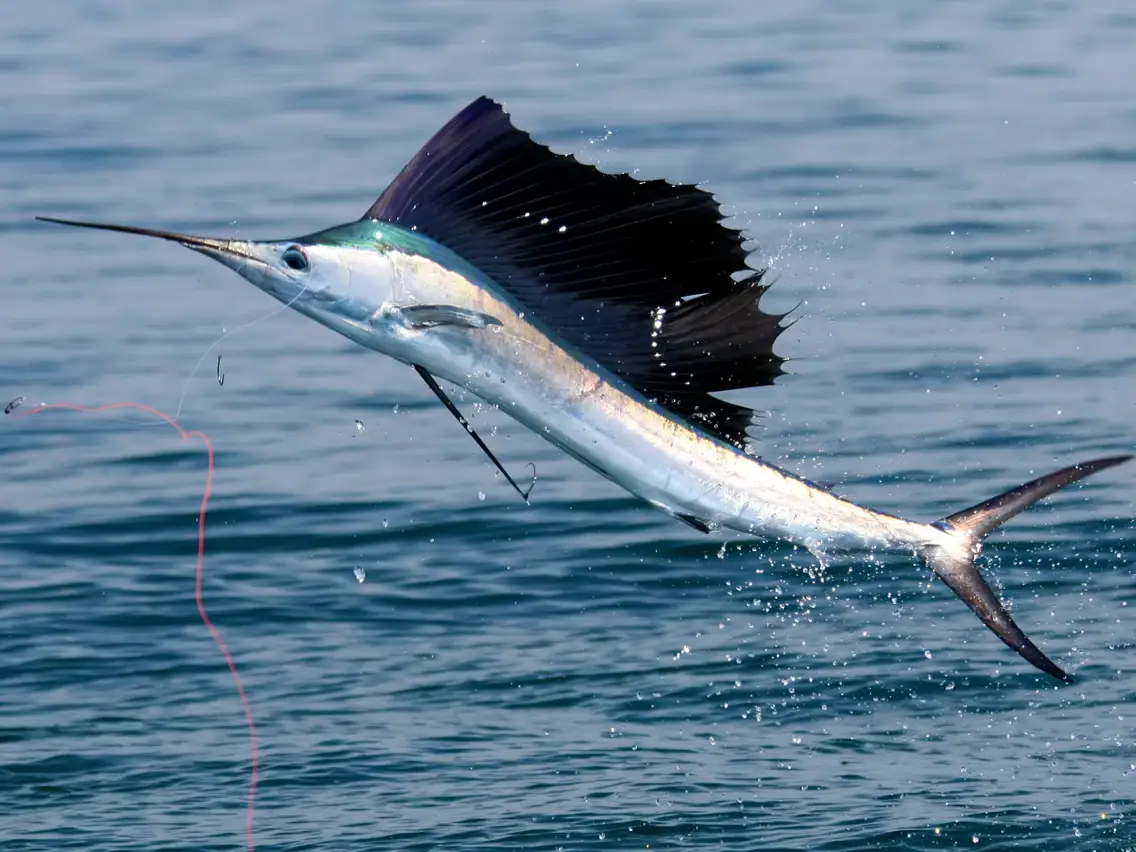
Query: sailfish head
340	277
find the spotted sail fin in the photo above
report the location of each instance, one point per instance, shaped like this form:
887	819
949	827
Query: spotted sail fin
640	276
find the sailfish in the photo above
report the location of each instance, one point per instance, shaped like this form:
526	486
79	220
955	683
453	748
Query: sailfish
604	313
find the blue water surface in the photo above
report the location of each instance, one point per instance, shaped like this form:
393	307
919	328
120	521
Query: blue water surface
946	190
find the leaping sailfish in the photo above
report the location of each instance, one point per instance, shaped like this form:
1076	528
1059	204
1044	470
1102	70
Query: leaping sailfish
603	312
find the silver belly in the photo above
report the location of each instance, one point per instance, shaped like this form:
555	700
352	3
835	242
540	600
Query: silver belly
653	456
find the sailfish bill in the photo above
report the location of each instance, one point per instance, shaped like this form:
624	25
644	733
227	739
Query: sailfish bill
604	313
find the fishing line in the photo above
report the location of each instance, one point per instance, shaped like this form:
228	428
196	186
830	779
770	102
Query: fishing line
220	376
221	339
198	595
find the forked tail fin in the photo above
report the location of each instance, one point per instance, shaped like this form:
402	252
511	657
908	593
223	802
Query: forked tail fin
956	566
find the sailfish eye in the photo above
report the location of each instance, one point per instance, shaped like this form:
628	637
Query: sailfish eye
294	258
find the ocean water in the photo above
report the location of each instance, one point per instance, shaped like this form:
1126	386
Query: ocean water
946	192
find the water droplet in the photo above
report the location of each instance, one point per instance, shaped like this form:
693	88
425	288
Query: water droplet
360	574
480	495
359	427
544	221
386	523
563	228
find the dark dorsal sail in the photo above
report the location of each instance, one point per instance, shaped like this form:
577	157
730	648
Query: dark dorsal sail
641	276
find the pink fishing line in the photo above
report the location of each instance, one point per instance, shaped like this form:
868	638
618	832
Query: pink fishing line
197	592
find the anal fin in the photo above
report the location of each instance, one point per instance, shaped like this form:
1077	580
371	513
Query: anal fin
696	523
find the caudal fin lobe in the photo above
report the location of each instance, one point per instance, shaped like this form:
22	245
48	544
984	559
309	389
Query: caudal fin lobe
956	566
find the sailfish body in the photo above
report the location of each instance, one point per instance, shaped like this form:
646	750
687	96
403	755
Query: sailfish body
602	312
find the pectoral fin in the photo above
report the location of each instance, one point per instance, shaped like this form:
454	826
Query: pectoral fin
431	316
